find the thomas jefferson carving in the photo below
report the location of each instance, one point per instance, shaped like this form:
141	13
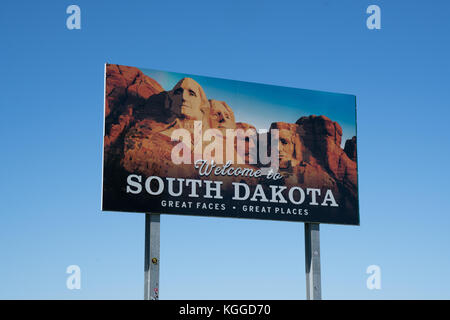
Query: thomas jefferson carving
221	116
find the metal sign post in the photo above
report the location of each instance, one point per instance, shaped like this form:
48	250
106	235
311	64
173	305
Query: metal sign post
151	261
312	261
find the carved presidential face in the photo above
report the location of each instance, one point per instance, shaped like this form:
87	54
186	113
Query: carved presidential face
221	115
289	144
187	98
249	139
286	147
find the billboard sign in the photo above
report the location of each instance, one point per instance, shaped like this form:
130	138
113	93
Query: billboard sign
192	145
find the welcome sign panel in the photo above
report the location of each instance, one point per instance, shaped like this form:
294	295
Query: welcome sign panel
193	145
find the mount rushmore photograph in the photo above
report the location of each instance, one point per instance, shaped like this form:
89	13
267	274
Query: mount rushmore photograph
141	118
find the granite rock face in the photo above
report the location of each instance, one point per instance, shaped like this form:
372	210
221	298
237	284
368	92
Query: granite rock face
322	139
127	90
350	148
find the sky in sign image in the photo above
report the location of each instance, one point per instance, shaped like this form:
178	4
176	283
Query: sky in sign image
52	125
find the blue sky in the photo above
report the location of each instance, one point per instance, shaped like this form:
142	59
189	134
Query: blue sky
52	126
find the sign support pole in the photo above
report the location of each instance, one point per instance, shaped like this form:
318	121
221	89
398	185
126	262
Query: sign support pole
151	260
312	261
